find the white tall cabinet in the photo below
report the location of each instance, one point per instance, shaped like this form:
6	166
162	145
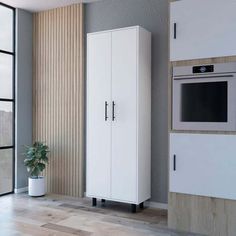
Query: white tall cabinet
119	115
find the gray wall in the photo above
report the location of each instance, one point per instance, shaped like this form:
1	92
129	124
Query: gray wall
152	15
24	21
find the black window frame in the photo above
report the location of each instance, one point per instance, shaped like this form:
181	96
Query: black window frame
13	100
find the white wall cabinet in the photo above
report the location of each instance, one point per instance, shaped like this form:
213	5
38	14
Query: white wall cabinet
119	115
202	29
203	164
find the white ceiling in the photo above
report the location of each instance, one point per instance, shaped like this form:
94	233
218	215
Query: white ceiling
42	5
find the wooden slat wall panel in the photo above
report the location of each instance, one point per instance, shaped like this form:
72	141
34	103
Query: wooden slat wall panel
58	91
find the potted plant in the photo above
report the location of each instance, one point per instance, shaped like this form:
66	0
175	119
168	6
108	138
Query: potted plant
37	158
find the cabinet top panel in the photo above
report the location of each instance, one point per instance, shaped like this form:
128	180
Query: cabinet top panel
113	30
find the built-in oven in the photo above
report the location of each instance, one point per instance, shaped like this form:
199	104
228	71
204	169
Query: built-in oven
204	97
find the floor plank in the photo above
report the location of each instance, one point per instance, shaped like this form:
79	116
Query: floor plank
64	229
64	216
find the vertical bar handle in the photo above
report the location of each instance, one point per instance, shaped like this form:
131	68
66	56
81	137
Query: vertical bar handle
175	30
174	162
113	110
106	105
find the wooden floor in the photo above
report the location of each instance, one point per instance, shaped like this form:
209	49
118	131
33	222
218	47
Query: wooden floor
63	216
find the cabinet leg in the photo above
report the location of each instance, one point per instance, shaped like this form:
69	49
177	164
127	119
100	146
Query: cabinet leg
133	208
94	202
141	205
103	200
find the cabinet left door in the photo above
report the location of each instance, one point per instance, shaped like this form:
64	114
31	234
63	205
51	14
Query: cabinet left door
98	115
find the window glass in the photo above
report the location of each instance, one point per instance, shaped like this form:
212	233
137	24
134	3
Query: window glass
6	29
6	124
6	164
6	75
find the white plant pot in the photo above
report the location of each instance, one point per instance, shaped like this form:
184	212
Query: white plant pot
37	186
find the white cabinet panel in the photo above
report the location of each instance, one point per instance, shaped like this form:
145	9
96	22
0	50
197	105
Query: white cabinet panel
204	29
205	165
124	94
98	129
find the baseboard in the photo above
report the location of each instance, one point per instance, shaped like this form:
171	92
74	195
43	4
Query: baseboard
21	190
157	205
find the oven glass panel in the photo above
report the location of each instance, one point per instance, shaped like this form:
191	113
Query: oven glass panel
204	102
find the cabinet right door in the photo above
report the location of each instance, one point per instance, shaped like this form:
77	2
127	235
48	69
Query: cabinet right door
202	29
124	124
203	164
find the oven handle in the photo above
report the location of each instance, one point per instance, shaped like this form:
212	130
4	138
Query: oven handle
204	77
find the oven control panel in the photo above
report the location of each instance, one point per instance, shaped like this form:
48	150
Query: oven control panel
203	69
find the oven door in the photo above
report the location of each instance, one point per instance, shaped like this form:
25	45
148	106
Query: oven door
204	103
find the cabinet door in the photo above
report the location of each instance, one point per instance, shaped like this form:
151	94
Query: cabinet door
98	127
205	165
124	135
204	29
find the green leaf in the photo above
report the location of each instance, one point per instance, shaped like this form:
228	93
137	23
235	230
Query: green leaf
41	166
37	158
